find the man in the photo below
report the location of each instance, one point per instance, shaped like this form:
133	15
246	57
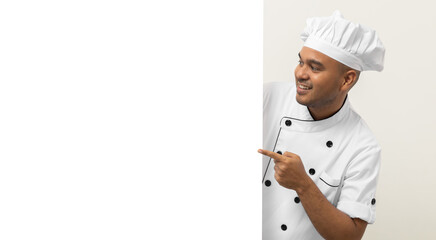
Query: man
321	161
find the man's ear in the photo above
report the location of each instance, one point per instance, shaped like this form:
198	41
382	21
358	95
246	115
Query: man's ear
349	79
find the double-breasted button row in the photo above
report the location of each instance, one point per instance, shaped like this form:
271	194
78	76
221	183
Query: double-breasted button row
283	226
328	143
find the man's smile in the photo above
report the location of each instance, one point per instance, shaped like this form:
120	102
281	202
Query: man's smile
303	88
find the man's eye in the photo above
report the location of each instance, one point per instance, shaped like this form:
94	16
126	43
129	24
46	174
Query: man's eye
314	68
300	62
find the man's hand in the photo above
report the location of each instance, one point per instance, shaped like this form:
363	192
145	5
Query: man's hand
289	169
330	222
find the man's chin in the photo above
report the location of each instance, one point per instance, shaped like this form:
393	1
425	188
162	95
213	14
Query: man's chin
302	101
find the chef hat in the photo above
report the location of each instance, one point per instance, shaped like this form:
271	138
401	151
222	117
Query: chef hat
352	44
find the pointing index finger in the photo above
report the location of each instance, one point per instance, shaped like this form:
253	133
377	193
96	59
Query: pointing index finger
270	154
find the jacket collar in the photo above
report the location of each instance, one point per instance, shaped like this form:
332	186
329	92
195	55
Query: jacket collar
304	121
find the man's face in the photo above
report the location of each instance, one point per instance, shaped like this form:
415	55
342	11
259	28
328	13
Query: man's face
318	78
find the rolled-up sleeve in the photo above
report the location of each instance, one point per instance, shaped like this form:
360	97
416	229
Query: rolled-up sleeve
357	197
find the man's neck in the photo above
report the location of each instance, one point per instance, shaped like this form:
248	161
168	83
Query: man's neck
326	112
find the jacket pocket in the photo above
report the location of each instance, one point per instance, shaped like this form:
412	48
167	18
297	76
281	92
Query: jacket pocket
328	186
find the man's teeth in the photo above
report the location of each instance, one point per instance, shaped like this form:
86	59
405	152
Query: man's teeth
303	87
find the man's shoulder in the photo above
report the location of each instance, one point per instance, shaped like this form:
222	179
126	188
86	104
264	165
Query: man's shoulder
363	135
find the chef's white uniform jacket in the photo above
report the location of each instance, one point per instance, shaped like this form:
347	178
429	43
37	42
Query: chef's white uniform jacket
339	153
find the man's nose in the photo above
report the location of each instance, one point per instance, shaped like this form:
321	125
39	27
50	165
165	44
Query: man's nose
301	72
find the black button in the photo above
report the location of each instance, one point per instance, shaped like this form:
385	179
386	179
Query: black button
311	171
284	227
267	183
329	144
373	201
288	122
297	200
279	152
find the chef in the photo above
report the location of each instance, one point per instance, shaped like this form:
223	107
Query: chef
321	161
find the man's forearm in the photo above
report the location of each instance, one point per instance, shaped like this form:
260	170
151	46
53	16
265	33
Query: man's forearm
329	221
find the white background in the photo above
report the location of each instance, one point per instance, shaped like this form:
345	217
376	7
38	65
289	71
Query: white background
398	104
130	119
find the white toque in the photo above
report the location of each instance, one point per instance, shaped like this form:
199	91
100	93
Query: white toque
350	43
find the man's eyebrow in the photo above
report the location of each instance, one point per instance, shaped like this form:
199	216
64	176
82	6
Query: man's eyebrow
313	61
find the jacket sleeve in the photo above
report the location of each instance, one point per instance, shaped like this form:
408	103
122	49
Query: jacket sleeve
357	197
